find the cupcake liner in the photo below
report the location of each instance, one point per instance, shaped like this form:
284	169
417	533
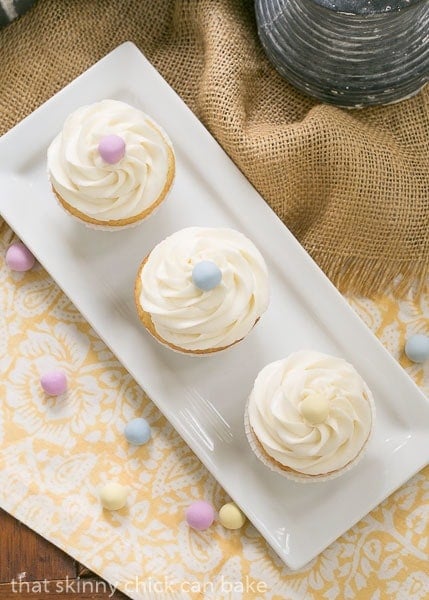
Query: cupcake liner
295	475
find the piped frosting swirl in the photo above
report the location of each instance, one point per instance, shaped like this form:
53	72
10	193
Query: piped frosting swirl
311	412
96	188
193	319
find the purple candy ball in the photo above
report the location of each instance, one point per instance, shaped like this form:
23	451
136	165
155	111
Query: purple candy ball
200	515
19	257
111	148
54	383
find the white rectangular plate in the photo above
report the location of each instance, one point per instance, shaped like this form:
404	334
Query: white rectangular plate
204	397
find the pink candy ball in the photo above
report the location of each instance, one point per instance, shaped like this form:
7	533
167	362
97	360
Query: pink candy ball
111	148
200	515
54	383
19	257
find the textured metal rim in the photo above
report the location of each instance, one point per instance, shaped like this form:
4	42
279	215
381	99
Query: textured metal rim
366	7
348	60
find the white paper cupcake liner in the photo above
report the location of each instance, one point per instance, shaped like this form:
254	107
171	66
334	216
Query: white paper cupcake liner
295	475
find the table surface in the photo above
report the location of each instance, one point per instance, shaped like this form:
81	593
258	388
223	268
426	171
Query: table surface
42	567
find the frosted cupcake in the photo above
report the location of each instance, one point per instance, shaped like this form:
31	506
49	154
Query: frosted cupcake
111	165
309	416
202	289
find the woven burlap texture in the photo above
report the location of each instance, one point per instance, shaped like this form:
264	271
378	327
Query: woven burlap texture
353	186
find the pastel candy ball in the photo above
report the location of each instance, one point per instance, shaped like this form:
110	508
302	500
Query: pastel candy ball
113	496
200	515
231	517
137	432
206	275
315	409
111	148
54	383
417	348
19	257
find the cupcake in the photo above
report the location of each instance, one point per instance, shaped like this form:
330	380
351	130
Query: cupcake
309	416
202	289
111	165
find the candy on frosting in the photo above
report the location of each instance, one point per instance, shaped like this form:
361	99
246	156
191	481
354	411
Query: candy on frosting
278	400
96	188
111	148
206	275
193	319
315	408
19	257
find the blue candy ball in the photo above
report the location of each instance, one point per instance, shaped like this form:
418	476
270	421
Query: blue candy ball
206	275
417	348
137	432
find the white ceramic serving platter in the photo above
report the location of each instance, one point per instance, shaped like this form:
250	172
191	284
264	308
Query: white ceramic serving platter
204	397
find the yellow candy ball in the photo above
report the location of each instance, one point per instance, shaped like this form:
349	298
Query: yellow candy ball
315	409
231	517
113	496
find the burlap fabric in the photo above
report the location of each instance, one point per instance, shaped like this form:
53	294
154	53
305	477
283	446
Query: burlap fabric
353	186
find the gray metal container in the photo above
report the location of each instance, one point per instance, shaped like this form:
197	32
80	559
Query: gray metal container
351	53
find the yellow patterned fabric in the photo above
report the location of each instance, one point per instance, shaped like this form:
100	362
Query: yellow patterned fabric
55	454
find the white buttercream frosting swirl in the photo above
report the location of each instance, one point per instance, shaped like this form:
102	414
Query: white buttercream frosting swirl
103	191
192	319
276	402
